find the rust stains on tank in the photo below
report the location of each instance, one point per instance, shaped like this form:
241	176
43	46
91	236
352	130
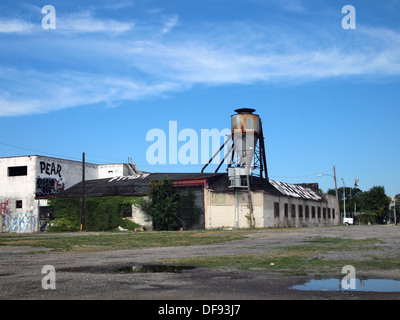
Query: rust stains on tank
245	121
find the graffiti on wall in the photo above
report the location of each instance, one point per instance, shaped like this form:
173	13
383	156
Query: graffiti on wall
4	207
49	186
20	222
50	168
46	187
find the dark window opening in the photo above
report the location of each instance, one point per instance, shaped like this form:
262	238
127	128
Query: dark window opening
293	209
18	204
46	213
300	211
307	211
276	209
286	210
17	171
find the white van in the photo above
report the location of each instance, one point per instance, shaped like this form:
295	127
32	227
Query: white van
348	221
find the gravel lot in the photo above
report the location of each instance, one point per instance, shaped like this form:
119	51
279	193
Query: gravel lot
91	276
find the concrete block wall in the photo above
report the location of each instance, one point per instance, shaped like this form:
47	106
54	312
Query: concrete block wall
268	210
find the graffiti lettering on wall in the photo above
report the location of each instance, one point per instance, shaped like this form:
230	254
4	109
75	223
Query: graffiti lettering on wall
50	168
4	207
48	187
20	222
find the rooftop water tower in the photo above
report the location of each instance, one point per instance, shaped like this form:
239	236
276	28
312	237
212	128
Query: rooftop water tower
246	145
247	156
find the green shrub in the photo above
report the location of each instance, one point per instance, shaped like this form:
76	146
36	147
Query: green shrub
169	209
101	214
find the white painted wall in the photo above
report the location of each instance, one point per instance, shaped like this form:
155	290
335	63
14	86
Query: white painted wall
112	170
220	211
46	176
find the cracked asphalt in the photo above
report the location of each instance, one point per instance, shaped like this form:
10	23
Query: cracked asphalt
93	276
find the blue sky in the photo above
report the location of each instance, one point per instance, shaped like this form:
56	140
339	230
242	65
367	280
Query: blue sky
112	71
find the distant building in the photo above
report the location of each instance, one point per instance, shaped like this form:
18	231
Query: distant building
275	204
26	182
238	198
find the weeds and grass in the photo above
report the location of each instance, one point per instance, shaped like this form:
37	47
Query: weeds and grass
302	259
307	258
92	242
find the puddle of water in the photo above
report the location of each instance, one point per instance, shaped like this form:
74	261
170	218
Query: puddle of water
154	269
371	285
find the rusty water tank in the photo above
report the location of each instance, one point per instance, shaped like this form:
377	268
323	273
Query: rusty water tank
245	121
245	127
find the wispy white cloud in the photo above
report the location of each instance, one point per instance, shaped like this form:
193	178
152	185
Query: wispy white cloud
15	26
171	23
84	22
32	92
227	59
153	66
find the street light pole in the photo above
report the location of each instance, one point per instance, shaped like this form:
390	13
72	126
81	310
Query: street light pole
337	194
344	201
355	203
336	189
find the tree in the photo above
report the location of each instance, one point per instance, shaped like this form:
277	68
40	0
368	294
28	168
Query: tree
375	203
168	208
162	205
352	197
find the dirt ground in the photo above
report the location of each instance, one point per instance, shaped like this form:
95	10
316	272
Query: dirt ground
92	276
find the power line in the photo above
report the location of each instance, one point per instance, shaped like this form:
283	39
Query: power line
54	154
305	176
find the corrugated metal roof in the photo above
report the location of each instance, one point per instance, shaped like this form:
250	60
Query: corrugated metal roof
138	185
135	185
296	191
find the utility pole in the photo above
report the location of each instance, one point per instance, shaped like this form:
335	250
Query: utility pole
355	203
337	194
394	210
344	200
83	194
336	189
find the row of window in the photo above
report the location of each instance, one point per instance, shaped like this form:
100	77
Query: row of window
316	212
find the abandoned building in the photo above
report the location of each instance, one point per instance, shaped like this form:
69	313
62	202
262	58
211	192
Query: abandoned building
241	197
26	182
275	204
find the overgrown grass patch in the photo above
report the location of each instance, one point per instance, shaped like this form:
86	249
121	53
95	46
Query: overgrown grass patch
322	245
91	242
302	259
